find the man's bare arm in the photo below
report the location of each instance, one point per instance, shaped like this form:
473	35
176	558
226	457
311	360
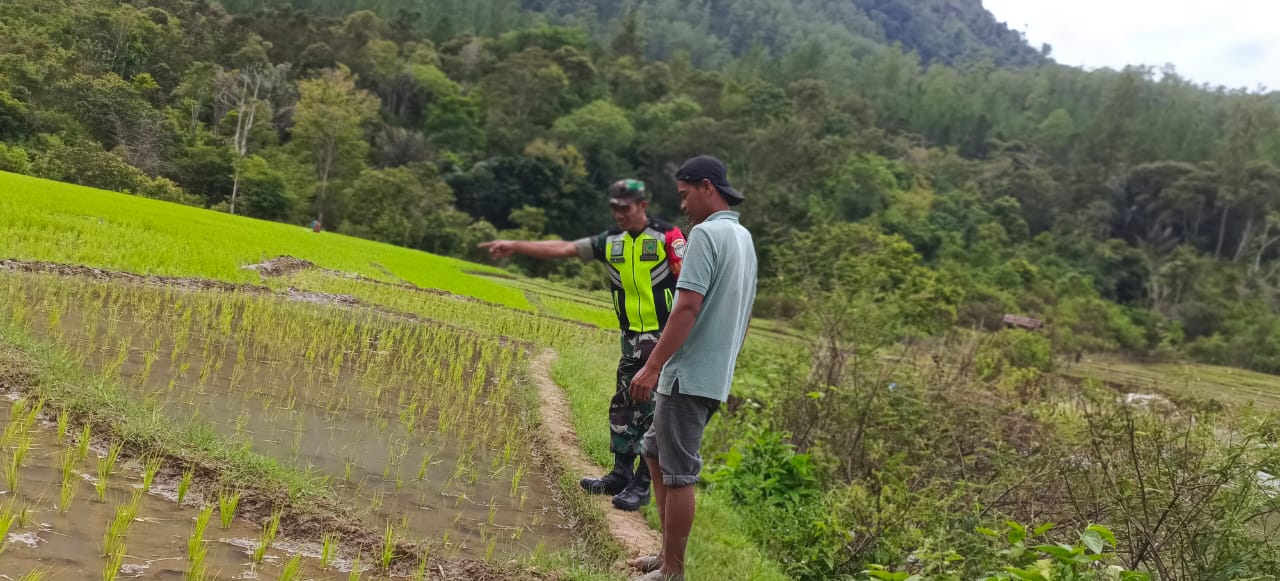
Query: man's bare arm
499	249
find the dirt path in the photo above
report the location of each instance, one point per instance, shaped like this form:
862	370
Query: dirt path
629	528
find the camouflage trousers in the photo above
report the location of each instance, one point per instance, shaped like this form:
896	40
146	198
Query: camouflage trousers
628	419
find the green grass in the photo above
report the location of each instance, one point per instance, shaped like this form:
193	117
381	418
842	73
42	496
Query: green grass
588	373
1234	387
599	316
57	222
718	547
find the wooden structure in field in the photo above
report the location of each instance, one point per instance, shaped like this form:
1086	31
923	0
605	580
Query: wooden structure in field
1021	322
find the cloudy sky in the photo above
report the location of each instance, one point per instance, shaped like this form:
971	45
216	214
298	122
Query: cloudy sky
1234	43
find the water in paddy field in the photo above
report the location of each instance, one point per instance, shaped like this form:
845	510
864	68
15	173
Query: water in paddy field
68	544
417	426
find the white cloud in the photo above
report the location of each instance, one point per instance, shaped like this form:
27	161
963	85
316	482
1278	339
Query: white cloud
1225	42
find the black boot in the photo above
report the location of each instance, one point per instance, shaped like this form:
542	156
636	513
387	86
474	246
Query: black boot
636	494
615	481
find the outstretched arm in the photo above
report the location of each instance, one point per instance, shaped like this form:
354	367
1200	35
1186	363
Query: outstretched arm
499	249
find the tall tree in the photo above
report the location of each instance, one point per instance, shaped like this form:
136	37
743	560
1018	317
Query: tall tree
247	93
330	120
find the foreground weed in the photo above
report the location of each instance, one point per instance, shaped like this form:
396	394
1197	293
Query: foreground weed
227	508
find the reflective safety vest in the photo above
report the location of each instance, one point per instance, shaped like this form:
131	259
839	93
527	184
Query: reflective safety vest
642	272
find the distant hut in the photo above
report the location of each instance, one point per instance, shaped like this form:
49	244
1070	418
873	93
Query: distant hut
1021	322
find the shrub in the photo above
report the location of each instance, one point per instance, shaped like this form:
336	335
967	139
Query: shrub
1014	349
14	159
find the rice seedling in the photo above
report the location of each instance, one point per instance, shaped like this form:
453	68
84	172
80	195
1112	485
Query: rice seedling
356	569
112	567
82	445
7	518
227	508
515	479
420	574
107	466
63	419
68	486
37	574
388	547
292	570
488	550
13	466
328	549
269	531
150	471
185	484
113	540
196	549
422	468
26	516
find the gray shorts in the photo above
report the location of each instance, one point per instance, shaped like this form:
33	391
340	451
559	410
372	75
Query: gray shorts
676	435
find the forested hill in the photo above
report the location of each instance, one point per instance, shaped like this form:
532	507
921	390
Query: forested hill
1132	210
715	31
951	31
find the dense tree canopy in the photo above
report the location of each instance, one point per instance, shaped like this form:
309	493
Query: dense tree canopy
1131	209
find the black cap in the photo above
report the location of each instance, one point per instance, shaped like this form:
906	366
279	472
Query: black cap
626	192
705	167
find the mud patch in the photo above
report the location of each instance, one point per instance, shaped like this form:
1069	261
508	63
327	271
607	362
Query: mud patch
323	298
116	275
280	266
628	528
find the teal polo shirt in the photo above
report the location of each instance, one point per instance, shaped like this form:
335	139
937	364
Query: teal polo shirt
719	264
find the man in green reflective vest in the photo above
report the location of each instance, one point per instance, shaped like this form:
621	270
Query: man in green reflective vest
643	257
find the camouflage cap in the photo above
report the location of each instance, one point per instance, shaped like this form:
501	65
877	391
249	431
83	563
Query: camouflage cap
626	192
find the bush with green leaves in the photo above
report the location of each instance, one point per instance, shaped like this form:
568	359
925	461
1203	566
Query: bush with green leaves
1014	349
763	468
1028	555
14	159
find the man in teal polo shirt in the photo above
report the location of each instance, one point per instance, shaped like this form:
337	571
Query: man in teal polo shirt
692	364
